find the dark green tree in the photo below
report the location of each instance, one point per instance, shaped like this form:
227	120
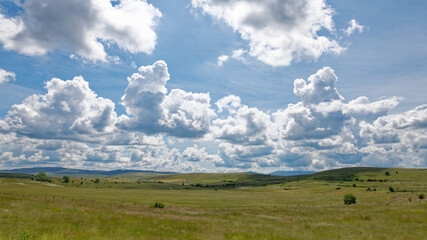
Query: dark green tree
41	176
66	179
349	199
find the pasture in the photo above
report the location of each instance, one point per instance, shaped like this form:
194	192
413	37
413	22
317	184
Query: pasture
218	206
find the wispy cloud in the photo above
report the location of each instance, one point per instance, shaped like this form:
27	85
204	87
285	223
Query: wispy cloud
353	27
6	76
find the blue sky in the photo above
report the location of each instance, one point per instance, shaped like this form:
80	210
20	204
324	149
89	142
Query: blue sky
186	111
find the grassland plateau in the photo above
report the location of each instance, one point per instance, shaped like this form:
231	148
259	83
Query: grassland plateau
390	204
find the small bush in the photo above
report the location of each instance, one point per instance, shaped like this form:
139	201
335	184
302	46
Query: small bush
25	235
391	189
387	173
349	199
158	205
421	196
96	180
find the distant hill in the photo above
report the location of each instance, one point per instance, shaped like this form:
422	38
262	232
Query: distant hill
291	173
55	171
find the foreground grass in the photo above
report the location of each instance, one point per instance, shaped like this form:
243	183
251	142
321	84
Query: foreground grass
300	209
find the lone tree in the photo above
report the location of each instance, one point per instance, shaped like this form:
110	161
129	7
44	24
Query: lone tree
66	179
349	199
41	176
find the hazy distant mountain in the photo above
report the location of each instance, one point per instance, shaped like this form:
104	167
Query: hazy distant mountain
69	171
55	171
291	173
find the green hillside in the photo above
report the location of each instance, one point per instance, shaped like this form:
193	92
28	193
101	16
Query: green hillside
390	204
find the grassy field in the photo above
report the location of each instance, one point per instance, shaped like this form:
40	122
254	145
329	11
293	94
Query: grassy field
218	206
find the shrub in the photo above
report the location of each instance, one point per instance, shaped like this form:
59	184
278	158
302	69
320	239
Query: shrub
421	196
387	173
158	205
391	189
66	179
96	180
41	176
25	235
349	199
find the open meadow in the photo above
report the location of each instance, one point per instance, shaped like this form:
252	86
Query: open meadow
217	206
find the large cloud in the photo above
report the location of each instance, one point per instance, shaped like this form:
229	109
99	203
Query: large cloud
321	131
278	31
69	110
150	109
80	26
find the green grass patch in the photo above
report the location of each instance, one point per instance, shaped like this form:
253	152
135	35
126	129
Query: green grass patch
302	207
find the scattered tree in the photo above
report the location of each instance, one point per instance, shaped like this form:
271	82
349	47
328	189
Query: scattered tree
66	179
41	176
387	173
349	199
391	189
96	180
421	196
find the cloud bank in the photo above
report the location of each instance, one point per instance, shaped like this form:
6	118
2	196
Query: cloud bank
177	130
82	27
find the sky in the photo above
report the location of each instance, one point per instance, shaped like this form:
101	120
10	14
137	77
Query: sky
213	85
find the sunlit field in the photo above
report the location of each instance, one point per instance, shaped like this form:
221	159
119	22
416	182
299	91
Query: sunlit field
218	206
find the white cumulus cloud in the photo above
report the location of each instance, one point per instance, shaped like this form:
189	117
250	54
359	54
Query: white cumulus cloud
278	31
69	110
70	125
320	87
152	110
83	27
